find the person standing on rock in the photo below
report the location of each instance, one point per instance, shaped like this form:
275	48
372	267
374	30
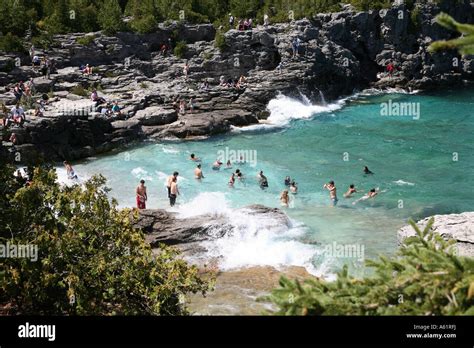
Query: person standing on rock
170	180
231	21
141	195
186	70
266	20
174	192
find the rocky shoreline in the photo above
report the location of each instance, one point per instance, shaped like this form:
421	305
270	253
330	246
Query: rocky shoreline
340	53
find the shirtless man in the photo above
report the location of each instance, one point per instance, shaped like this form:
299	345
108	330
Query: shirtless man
198	172
232	180
350	191
169	181
285	199
332	192
141	195
174	191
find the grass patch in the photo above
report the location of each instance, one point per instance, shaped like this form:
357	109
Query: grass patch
86	40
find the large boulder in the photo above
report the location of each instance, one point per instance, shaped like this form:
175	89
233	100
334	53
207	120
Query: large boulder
155	116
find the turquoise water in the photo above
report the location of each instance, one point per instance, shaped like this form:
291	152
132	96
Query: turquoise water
422	167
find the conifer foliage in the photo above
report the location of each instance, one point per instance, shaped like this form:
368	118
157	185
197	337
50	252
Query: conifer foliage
426	277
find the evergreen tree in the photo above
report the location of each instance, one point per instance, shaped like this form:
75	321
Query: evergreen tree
110	16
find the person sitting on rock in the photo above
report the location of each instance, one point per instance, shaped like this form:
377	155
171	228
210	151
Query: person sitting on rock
242	82
18	115
163	50
87	70
96	99
36	62
241	25
13	139
116	109
6	116
38	111
204	86
222	82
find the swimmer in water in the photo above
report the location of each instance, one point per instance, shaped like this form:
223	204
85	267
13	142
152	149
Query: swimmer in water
217	165
169	181
371	194
367	170
293	187
194	158
287	181
228	165
70	171
350	191
331	187
285	198
232	180
239	174
262	180
198	173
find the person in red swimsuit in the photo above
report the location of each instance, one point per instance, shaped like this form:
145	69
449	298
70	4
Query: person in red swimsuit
141	195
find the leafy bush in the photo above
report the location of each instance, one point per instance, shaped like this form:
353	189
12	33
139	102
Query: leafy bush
180	49
425	278
219	41
43	40
86	40
80	91
11	43
144	25
91	260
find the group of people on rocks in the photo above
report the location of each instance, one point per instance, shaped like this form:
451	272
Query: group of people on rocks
233	83
242	24
105	108
181	107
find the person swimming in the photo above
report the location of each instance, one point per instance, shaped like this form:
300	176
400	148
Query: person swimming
287	181
239	174
217	165
293	187
285	198
194	158
331	187
71	175
367	170
371	194
228	165
350	191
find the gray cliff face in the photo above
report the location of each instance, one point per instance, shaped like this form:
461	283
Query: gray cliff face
339	54
459	227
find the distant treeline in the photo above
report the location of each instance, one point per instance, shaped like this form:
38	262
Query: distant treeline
38	19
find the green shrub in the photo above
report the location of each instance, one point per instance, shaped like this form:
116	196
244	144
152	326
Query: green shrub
180	49
144	25
43	40
425	278
11	43
80	91
91	260
219	41
86	40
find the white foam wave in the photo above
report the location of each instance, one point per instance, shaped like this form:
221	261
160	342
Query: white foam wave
283	109
404	183
255	240
141	173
